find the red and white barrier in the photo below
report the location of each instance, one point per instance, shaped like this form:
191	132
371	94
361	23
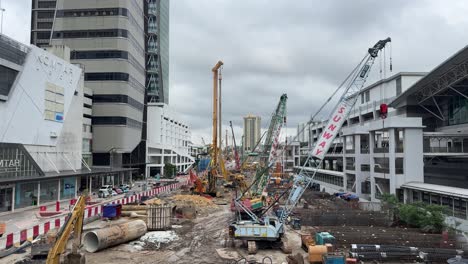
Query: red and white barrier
14	239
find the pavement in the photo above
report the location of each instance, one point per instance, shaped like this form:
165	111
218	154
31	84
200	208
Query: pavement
27	217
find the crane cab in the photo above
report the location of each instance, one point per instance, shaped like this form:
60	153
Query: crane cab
270	229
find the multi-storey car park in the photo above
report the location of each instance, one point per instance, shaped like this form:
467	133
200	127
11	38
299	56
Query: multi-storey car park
418	152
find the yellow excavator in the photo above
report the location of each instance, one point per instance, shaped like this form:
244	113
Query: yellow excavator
73	224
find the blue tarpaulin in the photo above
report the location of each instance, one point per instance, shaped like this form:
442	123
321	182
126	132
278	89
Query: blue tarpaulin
203	164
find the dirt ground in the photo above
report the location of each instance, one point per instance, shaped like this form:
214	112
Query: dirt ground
199	242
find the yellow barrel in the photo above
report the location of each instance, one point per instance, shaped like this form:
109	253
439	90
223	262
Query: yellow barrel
316	253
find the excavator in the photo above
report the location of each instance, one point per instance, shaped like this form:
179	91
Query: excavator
73	224
269	229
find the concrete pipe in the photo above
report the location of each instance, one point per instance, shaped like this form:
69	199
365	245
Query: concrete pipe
115	235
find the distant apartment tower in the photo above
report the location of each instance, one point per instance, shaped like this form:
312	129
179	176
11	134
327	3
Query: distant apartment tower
252	127
108	39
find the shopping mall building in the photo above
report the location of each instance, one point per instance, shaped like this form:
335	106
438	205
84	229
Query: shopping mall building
45	123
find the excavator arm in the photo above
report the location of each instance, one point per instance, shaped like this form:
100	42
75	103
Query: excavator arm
74	224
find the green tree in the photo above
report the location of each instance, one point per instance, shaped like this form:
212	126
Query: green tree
170	170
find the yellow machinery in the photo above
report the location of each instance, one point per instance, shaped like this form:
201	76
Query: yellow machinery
74	223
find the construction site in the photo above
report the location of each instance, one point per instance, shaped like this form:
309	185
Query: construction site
247	209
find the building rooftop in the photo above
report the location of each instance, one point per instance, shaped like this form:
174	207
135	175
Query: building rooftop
435	188
432	78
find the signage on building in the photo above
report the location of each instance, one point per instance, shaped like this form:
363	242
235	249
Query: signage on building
12	163
330	131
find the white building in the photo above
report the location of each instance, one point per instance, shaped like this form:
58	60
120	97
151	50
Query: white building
41	133
419	152
369	157
168	140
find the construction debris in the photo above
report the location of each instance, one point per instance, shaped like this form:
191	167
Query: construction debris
199	201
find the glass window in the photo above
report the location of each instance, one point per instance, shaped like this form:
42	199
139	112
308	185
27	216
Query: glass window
46	4
26	194
7	78
6	195
45	14
48	191
398	86
67	188
106	76
367	96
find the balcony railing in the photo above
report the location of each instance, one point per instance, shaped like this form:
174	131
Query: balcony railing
350	151
364	151
454	149
350	167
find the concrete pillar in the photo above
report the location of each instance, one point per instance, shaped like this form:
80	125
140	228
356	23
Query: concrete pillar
90	185
58	190
76	186
13	193
112	178
391	158
102	179
87	182
372	163
38	193
357	164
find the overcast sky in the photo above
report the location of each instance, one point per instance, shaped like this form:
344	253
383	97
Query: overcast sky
302	48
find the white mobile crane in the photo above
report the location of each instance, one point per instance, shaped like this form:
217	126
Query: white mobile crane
270	228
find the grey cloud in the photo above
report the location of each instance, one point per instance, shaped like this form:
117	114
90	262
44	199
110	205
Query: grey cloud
304	48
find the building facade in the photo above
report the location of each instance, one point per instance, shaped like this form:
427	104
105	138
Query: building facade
252	129
108	39
418	152
41	157
157	51
369	157
168	140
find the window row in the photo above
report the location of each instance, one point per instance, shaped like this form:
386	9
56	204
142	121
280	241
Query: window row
107	54
95	33
116	120
92	12
117	98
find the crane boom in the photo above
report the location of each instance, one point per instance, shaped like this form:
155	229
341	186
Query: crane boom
271	144
340	113
236	153
270	228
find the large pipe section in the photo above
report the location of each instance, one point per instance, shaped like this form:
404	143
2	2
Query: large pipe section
115	235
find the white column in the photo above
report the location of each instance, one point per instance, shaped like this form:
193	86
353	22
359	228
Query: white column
58	191
90	188
391	160
13	198
76	186
357	163
38	193
371	163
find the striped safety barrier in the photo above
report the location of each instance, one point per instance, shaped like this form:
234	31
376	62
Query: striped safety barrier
17	238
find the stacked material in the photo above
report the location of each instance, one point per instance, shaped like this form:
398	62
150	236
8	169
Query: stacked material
135	211
384	253
197	200
155	201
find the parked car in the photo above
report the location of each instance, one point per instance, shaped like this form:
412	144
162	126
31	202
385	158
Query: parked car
124	187
103	193
114	193
118	190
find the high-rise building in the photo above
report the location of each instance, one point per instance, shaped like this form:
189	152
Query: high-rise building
157	56
108	39
252	127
